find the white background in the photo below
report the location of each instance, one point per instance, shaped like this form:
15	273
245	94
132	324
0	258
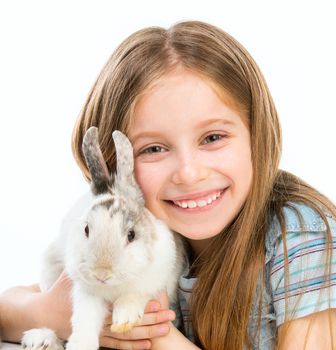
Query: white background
51	53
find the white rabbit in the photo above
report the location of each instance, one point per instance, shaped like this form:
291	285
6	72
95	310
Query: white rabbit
117	252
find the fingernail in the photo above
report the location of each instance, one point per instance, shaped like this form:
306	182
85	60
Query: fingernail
155	307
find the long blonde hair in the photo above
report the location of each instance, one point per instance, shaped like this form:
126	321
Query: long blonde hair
226	285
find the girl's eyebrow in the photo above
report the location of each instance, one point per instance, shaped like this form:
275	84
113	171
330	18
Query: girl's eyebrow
144	134
207	122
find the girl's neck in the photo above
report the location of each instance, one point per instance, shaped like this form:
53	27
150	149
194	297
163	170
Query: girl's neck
198	246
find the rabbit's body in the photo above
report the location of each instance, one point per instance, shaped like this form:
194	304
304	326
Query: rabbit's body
114	250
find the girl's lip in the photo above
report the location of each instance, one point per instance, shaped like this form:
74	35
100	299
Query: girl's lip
195	196
198	209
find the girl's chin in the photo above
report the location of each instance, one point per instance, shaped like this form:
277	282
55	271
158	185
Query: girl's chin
198	232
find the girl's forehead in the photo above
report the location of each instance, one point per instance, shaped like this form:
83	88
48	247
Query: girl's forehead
182	91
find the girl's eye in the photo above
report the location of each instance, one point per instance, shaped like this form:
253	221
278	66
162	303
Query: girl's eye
212	138
153	149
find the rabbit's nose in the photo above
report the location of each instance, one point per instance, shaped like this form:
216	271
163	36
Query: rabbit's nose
102	275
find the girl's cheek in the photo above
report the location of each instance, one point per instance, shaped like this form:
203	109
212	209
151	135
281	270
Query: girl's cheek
139	174
147	176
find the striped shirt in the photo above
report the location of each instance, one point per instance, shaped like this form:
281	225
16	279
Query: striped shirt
307	291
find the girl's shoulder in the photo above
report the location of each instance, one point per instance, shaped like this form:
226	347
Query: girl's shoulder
298	218
296	262
302	217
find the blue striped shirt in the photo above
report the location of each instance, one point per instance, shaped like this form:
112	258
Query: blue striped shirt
307	291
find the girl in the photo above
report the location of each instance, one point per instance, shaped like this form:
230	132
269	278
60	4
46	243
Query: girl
207	145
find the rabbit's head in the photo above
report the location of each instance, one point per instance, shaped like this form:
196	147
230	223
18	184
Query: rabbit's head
113	242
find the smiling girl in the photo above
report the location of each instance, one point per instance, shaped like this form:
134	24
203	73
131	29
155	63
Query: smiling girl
207	146
196	176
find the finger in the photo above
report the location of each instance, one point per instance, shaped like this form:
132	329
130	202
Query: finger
147	319
64	278
63	282
141	332
125	344
163	300
157	317
152	306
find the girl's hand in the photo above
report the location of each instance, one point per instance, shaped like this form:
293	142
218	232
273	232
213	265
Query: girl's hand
26	307
154	324
56	307
56	314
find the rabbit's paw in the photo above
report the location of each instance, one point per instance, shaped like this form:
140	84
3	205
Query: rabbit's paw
126	315
121	328
82	343
41	339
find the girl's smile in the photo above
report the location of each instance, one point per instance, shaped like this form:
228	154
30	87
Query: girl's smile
190	203
192	154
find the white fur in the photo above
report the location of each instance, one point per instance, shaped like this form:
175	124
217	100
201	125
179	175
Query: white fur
146	269
105	266
41	338
89	312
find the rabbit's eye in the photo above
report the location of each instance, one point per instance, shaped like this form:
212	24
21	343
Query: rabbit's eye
86	231
131	236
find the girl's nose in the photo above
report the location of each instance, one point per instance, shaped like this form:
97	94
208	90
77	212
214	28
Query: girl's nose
189	170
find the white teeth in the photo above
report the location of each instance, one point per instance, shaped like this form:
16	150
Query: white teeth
200	203
192	204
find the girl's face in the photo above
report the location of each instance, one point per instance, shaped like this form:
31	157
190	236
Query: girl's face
192	155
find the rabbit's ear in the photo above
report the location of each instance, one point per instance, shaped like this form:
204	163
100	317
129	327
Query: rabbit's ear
124	179
124	152
100	176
